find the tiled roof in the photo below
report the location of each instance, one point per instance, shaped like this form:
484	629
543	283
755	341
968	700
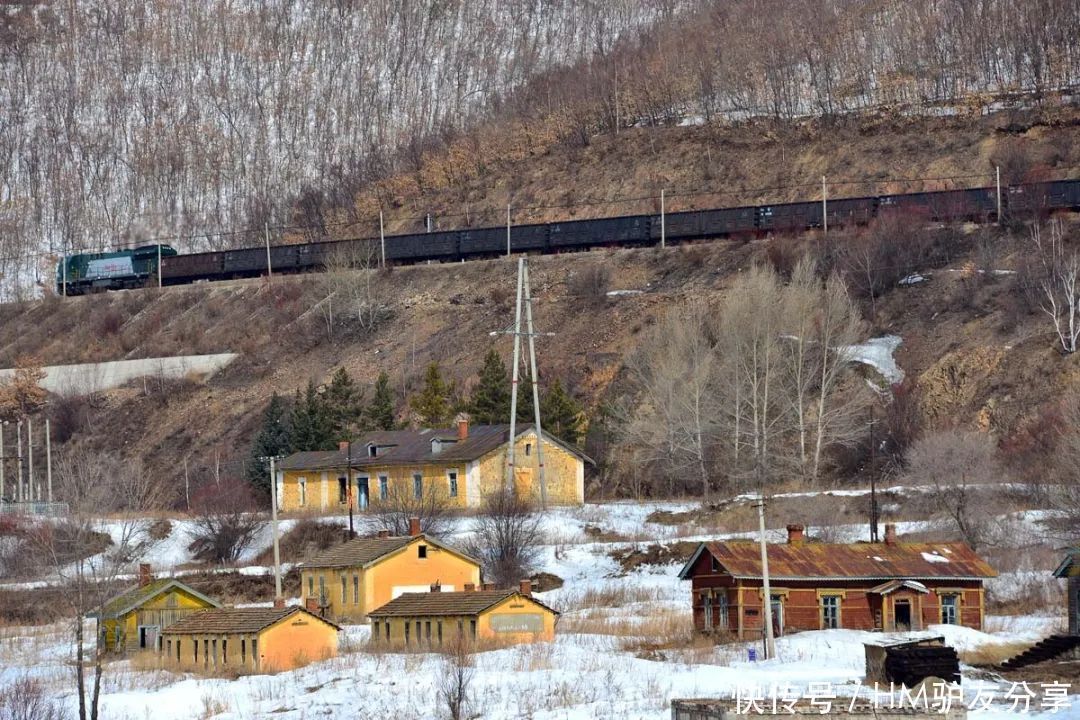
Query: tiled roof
136	596
361	552
432	604
854	561
414	447
357	552
234	620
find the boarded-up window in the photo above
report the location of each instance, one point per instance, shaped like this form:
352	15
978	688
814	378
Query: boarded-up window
517	623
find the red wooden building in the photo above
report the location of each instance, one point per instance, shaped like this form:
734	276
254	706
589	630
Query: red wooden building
890	585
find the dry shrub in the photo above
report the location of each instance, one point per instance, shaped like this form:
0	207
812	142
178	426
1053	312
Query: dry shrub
590	284
609	595
993	653
306	537
26	698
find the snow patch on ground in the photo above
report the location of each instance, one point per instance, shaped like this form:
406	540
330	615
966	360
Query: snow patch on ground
878	354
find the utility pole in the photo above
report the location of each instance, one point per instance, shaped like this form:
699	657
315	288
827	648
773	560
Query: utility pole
19	490
516	373
3	459
382	241
663	223
348	486
30	458
770	640
159	266
269	267
48	461
274	527
873	481
824	206
508	232
535	387
64	264
997	173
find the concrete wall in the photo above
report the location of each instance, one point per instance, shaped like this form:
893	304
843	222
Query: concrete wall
95	377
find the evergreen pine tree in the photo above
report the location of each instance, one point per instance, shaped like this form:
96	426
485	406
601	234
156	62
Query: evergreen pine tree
343	404
379	414
311	426
561	414
273	438
434	404
490	401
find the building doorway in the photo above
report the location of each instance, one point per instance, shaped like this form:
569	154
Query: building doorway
362	491
902	614
777	615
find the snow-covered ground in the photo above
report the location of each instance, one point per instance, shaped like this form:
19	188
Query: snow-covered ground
623	650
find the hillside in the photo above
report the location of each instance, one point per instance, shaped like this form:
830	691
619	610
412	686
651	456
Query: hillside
982	353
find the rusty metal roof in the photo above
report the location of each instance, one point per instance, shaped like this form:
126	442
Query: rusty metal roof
434	604
852	561
415	447
235	620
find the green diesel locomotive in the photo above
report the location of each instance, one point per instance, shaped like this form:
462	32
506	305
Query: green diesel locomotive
94	272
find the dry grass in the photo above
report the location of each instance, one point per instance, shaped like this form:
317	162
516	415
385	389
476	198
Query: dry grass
610	595
993	653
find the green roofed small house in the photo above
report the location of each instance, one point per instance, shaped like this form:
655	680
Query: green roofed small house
1069	570
134	619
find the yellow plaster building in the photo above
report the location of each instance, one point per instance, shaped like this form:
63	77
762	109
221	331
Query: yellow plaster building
263	640
135	619
435	619
461	465
346	582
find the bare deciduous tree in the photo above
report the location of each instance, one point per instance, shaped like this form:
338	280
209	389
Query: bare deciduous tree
353	285
506	537
456	674
956	465
96	486
395	512
1060	283
225	522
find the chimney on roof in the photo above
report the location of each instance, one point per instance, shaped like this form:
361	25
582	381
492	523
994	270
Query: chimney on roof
436	587
525	588
279	603
312	605
462	428
343	445
470	587
384	533
144	574
890	533
795	534
488	586
414	526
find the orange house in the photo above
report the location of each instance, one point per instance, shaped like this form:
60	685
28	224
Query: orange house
346	582
263	640
433	619
890	585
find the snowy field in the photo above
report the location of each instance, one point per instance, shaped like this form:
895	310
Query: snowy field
624	649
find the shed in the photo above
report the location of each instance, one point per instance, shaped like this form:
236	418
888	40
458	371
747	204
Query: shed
436	618
1069	570
249	639
135	619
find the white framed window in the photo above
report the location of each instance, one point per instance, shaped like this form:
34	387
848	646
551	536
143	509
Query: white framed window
830	611
418	486
301	488
451	480
950	609
384	487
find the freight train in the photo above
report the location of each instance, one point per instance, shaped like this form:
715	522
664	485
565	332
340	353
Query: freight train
78	274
